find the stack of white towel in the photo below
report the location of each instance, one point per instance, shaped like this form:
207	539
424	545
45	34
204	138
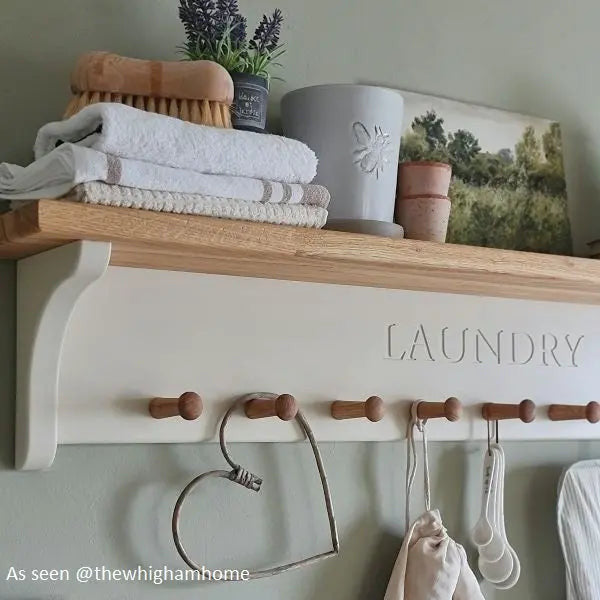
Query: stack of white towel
117	155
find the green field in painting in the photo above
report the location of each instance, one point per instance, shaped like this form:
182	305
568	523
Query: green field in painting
515	219
515	198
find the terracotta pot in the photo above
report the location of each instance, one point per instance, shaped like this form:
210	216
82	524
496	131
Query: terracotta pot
423	178
424	218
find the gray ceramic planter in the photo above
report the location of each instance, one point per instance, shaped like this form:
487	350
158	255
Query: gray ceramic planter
355	130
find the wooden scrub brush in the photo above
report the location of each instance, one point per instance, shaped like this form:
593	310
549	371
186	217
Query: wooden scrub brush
197	91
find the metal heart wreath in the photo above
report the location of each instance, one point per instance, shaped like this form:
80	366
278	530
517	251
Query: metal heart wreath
243	477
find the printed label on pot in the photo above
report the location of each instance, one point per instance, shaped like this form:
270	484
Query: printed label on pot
249	106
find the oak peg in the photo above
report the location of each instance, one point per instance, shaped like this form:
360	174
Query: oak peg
188	406
284	407
569	412
525	411
373	409
451	409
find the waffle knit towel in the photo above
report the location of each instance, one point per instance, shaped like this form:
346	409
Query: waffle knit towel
128	132
56	173
298	215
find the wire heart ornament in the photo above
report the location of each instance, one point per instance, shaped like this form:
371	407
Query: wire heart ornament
241	476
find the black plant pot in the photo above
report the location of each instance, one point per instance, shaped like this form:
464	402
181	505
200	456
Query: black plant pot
249	108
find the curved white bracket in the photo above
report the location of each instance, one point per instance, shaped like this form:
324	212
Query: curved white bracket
48	287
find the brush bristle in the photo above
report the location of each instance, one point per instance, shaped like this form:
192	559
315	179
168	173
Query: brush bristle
200	112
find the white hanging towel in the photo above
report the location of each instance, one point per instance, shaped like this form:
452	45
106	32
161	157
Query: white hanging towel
431	565
579	529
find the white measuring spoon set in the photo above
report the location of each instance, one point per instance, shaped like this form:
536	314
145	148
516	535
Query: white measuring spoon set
498	562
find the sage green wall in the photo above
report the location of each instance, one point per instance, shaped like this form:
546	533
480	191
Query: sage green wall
536	57
111	505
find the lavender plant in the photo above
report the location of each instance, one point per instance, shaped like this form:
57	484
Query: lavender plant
217	31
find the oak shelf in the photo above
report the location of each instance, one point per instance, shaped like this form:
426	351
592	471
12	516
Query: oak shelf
175	242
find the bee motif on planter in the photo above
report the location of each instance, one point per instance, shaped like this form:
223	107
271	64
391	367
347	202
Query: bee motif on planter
373	151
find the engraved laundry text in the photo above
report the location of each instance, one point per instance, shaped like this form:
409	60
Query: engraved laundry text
480	346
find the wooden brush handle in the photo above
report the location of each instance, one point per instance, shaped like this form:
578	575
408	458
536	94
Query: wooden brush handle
192	80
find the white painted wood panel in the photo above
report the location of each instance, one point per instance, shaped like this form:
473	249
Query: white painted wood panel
139	333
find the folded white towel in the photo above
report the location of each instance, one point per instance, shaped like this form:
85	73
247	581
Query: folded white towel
131	133
298	215
56	173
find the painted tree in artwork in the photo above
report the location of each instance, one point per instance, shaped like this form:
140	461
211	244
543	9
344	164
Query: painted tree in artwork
553	148
414	145
433	126
506	155
512	198
463	147
549	177
528	152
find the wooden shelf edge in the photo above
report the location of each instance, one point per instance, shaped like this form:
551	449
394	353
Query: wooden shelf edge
167	241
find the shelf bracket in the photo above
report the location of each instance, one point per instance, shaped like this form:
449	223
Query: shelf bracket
48	287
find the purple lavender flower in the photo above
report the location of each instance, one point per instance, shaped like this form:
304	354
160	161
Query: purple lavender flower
238	31
216	30
229	21
266	36
198	18
227	8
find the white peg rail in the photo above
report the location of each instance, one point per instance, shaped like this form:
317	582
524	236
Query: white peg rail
96	343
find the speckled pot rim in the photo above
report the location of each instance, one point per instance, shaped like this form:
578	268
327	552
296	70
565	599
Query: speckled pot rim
426	163
424	197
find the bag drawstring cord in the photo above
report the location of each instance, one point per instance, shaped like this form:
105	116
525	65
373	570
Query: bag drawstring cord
412	461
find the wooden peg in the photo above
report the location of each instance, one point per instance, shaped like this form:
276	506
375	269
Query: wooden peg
373	409
451	409
568	412
283	406
525	411
187	406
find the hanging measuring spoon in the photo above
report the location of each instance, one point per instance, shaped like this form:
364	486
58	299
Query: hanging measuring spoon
482	532
494	549
516	570
498	570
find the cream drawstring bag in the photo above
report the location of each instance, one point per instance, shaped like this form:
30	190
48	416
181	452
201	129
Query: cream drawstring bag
431	565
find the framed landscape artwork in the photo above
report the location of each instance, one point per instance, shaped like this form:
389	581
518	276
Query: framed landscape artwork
508	187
